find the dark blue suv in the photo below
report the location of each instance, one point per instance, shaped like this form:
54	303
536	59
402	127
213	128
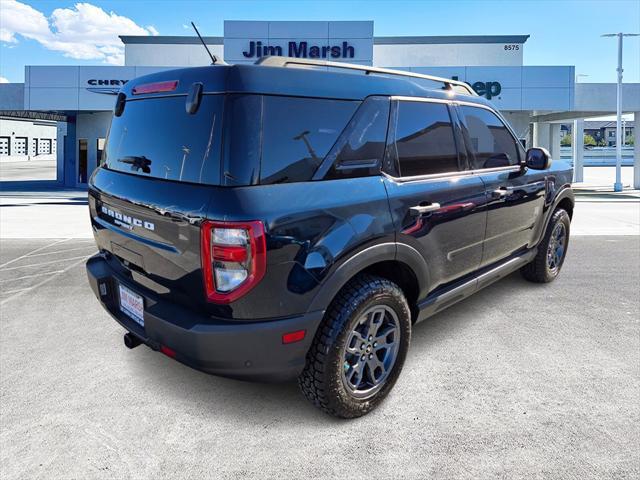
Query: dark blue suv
295	219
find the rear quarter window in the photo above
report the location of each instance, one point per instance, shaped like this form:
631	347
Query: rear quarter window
297	135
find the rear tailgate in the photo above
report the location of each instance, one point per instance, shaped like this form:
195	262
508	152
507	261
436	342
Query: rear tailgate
152	229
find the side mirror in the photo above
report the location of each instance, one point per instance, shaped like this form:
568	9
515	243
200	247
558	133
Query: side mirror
538	159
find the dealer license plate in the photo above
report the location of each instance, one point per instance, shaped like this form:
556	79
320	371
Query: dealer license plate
132	304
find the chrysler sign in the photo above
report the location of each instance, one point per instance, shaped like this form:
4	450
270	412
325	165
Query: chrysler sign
105	86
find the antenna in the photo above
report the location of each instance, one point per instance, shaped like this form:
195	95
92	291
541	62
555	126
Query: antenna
213	57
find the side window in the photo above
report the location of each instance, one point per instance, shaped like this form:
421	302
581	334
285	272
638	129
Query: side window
297	135
424	139
490	141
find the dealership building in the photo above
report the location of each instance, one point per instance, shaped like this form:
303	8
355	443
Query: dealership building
536	100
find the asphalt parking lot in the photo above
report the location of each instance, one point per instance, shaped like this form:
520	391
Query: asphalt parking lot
519	381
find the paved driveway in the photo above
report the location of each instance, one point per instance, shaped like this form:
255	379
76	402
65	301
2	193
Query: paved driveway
519	381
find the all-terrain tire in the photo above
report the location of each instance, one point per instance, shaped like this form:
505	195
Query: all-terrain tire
322	379
539	270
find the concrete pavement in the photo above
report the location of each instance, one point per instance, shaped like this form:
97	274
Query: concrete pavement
36	169
518	381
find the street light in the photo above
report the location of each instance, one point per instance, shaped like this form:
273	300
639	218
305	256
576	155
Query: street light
617	187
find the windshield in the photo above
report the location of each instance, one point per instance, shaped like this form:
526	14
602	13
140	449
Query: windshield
156	137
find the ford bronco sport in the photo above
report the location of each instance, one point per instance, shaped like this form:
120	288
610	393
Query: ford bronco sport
296	218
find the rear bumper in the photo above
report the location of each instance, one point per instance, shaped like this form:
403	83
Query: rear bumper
247	350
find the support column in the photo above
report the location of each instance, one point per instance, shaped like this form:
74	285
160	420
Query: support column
530	136
60	150
70	149
636	151
541	135
577	145
554	140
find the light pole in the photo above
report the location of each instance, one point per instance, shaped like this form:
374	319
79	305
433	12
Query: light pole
617	187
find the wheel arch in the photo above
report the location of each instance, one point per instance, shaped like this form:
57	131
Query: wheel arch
567	204
564	199
399	263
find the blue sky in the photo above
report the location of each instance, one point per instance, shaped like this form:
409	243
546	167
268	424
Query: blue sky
563	32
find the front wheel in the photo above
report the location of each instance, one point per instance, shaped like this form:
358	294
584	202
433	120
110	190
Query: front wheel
546	265
359	349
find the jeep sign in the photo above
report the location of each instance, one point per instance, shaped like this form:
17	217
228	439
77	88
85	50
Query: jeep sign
484	89
487	89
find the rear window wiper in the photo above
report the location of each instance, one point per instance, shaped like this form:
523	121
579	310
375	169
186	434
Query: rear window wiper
137	163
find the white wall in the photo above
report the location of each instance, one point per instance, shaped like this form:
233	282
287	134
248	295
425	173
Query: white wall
33	130
68	87
401	55
602	97
11	96
168	55
436	55
540	88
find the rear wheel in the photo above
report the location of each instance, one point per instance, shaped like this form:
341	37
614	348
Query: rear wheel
552	251
359	349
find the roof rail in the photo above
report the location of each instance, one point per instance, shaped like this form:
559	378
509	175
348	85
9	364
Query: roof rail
276	61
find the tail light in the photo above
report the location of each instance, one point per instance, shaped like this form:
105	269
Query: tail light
233	258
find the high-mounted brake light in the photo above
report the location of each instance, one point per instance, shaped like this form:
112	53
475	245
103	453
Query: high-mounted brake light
233	258
156	87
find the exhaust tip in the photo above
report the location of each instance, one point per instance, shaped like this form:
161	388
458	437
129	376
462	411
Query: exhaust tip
131	341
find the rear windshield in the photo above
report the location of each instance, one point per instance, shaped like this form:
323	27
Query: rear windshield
262	139
156	137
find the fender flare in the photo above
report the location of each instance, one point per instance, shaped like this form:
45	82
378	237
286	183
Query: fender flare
417	263
389	251
564	192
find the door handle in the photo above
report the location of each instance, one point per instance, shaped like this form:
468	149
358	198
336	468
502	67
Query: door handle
502	192
422	209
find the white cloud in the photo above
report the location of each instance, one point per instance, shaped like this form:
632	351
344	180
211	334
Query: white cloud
85	32
4	80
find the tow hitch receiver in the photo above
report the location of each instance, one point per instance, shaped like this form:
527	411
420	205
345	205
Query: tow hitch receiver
131	341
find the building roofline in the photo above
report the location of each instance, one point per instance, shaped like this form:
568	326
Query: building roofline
420	40
169	39
449	39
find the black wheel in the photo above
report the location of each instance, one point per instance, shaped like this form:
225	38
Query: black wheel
359	349
552	251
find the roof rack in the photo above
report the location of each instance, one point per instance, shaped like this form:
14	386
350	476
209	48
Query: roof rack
276	61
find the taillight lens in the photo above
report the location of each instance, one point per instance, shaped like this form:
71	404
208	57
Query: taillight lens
233	258
156	87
